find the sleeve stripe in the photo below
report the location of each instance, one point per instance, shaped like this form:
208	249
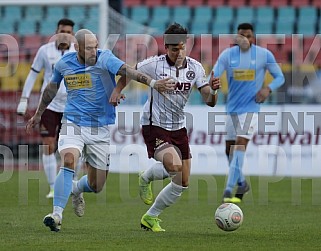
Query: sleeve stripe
33	69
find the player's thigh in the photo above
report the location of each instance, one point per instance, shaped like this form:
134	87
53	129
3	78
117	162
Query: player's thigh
97	147
70	142
170	158
241	125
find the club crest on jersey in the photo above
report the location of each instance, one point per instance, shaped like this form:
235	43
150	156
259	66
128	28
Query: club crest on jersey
190	75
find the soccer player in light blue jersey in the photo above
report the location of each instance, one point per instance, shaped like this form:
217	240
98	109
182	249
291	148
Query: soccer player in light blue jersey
245	65
89	77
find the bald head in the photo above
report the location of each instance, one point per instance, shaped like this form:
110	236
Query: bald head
87	45
83	35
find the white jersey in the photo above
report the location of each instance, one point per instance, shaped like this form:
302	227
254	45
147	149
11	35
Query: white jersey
166	109
46	58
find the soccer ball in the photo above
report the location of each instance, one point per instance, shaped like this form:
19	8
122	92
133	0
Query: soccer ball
228	217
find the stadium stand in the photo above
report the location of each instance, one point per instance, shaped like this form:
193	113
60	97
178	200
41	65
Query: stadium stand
34	25
140	14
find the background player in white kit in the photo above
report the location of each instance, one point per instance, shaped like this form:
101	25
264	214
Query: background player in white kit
50	124
163	121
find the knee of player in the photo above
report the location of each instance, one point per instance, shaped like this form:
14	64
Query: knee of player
69	160
173	169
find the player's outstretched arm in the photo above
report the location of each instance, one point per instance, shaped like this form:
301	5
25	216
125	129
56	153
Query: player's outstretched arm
132	74
47	96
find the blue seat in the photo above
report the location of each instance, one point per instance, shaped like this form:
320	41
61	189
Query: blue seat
54	13
93	11
221	28
161	12
13	12
159	25
27	27
47	27
284	27
203	13
244	15
140	14
307	14
286	14
263	28
265	14
224	14
306	29
7	26
34	12
76	12
91	24
181	15
199	27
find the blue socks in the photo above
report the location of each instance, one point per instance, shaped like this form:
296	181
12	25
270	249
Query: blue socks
83	185
235	171
63	187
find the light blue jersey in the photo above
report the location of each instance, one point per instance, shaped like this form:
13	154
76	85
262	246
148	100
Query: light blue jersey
88	88
245	75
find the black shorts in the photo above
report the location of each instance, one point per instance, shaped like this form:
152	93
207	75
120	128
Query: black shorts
157	138
50	123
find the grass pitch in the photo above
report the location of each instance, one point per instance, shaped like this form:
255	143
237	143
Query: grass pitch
279	214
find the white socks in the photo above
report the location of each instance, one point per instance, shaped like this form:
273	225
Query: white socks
50	166
155	172
165	198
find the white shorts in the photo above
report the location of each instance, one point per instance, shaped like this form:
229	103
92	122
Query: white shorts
241	125
92	142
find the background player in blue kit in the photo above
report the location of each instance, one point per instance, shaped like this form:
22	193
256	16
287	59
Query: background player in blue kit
89	77
245	65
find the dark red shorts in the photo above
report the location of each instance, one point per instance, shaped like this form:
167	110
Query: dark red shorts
157	138
50	123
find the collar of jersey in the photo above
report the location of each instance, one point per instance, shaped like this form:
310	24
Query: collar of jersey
171	63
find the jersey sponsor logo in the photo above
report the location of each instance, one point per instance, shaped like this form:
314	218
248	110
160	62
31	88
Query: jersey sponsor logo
244	75
190	75
78	81
180	88
183	86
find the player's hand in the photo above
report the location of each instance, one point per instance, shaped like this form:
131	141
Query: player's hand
116	97
242	42
22	106
214	82
263	94
35	120
165	84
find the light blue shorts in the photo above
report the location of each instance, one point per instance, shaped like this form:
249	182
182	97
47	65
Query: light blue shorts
92	142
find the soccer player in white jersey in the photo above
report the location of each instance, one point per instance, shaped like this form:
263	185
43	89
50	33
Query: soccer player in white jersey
50	123
89	77
245	65
163	122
